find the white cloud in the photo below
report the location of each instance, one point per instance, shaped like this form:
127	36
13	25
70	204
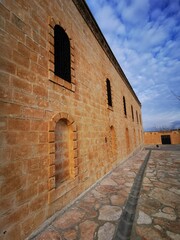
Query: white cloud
159	120
111	22
133	11
145	38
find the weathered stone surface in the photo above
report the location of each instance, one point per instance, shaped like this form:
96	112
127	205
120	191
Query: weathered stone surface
129	184
149	233
173	236
108	181
168	225
119	181
158	227
161	201
159	184
49	234
171	217
109	213
170	181
87	230
124	191
69	219
97	194
70	235
178	210
165	197
117	200
106	189
89	198
97	206
103	201
143	218
150	173
90	217
147	182
175	190
168	210
149	205
106	231
88	207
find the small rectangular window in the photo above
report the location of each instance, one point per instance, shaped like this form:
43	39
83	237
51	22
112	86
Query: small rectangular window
137	117
132	111
108	85
124	103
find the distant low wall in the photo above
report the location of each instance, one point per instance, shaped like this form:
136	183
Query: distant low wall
163	137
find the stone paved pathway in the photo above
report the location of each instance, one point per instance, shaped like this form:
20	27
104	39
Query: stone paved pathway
158	213
95	216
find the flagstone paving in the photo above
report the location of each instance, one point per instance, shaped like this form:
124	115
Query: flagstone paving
158	211
95	215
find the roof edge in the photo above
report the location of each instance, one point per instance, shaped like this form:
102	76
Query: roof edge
91	22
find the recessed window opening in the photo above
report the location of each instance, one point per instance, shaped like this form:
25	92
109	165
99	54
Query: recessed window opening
134	138
62	57
124	103
137	117
127	141
109	92
62	163
132	112
113	140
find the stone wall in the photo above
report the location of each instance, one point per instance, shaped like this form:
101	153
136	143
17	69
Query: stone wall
155	137
35	104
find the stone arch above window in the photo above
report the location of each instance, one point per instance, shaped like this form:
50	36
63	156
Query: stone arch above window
61	69
63	159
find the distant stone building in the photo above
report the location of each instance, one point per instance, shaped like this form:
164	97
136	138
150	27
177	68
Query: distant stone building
162	137
68	112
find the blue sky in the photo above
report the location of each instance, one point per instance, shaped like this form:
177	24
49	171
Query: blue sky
144	36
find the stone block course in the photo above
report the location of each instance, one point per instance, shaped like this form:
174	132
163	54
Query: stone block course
23	98
18	124
7	66
10	109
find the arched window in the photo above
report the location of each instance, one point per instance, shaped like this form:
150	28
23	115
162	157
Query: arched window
124	103
63	155
62	158
113	144
132	112
62	59
108	85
